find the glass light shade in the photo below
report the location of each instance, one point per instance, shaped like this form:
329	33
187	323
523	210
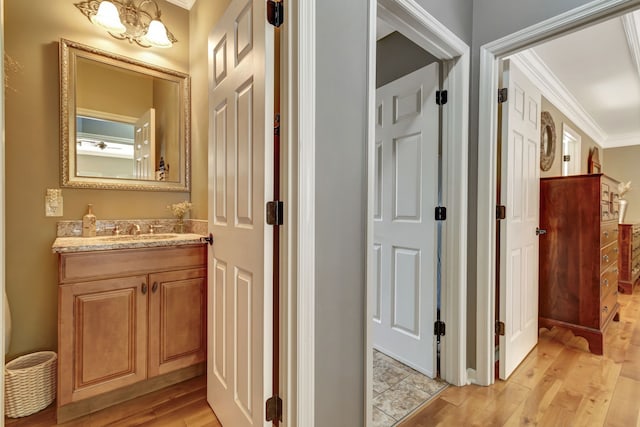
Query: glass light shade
157	35
108	18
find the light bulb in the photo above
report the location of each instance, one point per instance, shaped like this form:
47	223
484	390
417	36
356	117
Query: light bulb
108	18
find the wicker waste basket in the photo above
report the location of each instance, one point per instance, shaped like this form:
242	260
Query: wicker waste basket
30	383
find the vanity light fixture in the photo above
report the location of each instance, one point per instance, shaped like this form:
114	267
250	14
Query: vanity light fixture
125	20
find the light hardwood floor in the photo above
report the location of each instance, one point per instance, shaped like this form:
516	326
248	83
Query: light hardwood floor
558	384
184	404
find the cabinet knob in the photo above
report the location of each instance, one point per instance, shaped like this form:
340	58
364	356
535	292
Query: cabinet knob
606	234
606	258
144	288
606	282
605	309
154	288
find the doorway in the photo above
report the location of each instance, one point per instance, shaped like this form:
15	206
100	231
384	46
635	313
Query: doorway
487	171
427	33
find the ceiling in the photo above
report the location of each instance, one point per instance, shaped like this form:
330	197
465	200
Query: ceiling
597	78
187	4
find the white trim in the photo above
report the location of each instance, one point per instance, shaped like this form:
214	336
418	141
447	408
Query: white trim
487	140
303	87
454	239
370	267
571	134
625	140
558	94
471	376
631	25
415	23
185	4
421	28
2	209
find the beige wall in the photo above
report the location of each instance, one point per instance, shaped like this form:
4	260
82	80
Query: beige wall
99	88
32	119
622	164
203	16
587	142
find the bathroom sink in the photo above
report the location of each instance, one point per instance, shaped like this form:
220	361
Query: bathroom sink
127	237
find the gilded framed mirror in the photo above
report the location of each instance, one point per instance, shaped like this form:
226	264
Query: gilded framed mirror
124	124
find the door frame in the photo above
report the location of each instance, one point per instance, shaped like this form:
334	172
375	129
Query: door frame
490	55
568	129
419	26
297	283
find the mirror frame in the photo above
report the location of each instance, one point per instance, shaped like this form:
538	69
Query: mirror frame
547	128
69	52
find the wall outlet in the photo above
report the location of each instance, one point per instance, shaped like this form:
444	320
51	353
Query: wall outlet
53	202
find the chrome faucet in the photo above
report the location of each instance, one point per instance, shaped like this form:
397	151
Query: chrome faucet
134	229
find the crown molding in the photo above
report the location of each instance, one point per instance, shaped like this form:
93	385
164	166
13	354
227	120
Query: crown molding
186	4
631	25
558	94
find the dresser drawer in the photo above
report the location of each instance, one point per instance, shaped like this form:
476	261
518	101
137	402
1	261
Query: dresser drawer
608	234
607	305
604	192
605	212
608	281
608	255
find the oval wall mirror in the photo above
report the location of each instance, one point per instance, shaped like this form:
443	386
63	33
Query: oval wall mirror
547	141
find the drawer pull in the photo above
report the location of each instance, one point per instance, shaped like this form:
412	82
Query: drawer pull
144	288
606	258
605	309
606	282
154	288
615	249
606	234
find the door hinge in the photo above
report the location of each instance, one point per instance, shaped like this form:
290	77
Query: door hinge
441	213
274	408
499	328
275	212
439	328
501	212
502	95
441	97
566	158
275	12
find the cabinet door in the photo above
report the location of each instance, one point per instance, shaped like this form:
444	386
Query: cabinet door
177	319
102	336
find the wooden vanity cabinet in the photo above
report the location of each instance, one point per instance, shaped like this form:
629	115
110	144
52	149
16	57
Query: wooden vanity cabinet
177	319
128	315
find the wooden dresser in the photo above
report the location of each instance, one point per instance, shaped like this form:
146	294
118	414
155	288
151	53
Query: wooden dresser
579	255
628	257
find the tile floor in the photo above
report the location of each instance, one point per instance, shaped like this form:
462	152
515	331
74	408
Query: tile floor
398	390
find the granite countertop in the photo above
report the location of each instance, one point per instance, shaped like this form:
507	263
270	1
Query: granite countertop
102	243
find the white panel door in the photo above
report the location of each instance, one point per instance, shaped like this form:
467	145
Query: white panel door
240	182
144	148
406	184
521	196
